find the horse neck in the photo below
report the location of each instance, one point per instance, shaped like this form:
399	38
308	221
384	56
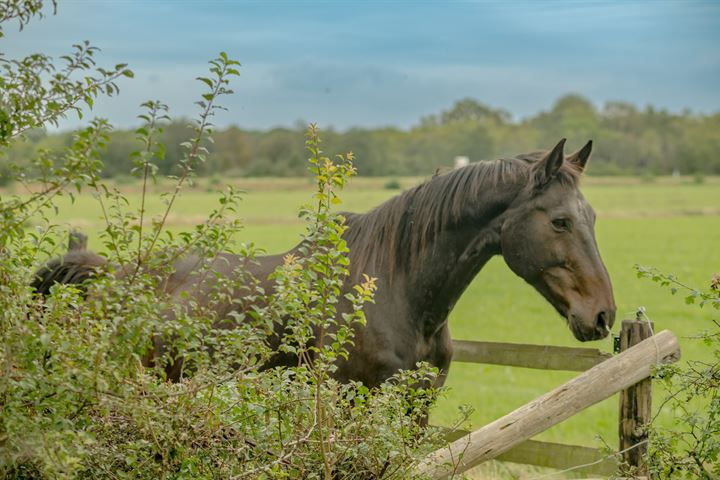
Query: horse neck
454	257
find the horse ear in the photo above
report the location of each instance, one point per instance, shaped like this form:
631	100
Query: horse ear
580	158
550	165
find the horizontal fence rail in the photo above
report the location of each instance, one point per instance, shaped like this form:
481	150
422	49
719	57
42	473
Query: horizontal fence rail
554	455
544	357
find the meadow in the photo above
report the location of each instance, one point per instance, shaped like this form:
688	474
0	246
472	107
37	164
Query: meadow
669	223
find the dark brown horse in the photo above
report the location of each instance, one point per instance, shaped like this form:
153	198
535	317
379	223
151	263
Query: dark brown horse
426	245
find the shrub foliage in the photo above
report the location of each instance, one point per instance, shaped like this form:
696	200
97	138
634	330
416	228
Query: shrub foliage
77	399
691	448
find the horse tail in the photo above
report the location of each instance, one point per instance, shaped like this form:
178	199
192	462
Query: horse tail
75	267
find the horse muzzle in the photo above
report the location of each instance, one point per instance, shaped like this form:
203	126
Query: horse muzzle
593	326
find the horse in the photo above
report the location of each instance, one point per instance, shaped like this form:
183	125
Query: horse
425	246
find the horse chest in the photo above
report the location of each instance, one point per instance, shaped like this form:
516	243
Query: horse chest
389	343
438	348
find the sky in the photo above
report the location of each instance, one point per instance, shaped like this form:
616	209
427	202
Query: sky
388	63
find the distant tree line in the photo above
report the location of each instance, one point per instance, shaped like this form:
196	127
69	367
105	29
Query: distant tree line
628	140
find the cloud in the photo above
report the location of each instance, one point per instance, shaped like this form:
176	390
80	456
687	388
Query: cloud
385	63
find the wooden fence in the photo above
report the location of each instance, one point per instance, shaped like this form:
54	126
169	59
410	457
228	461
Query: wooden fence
508	438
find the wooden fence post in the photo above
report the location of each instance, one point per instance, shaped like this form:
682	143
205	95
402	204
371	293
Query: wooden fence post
635	405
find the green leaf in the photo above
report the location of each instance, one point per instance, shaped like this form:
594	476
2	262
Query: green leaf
206	81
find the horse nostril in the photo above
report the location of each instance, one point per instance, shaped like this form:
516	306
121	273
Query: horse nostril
602	322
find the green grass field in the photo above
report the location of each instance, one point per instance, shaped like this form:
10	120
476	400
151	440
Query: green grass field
672	224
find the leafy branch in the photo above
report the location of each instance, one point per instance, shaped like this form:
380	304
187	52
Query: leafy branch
22	10
222	68
34	92
690	449
692	295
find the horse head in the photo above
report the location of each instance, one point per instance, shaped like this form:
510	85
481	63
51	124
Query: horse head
548	239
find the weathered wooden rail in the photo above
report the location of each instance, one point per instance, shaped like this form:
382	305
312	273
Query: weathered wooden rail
543	357
508	438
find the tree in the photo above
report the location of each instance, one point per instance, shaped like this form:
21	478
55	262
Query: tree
231	152
469	109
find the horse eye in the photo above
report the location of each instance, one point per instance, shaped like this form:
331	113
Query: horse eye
561	224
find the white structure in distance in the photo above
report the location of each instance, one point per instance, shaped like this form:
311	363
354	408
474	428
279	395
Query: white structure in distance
461	161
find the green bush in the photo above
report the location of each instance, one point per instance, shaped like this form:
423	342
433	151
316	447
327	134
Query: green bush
691	448
392	184
78	402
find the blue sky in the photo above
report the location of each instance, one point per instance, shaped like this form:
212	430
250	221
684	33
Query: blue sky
377	63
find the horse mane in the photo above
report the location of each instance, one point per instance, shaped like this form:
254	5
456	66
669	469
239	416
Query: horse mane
75	267
396	231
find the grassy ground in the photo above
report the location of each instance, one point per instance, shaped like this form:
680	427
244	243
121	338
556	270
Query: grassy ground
672	224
